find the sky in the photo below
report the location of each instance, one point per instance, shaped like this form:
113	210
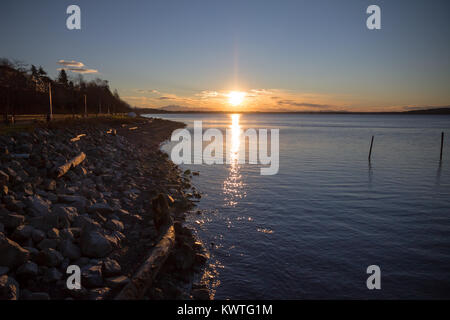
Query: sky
278	55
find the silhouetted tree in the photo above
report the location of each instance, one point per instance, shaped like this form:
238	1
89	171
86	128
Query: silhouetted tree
62	78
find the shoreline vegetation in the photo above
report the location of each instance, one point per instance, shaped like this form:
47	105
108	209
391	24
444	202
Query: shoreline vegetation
100	194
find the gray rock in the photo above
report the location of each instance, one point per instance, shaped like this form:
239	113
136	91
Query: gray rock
49	257
11	253
69	250
28	269
94	244
65	212
48	243
39	296
9	288
38	207
78	202
52	275
37	235
22	233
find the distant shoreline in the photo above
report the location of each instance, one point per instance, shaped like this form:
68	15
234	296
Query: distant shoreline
441	111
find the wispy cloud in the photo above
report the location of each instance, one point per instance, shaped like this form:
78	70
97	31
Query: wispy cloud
71	63
75	66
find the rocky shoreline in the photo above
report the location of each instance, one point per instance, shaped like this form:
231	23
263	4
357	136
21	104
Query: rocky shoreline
98	194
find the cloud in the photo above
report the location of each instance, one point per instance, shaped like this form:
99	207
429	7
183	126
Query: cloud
75	67
71	63
154	91
303	104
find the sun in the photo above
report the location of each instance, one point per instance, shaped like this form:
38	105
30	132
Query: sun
235	98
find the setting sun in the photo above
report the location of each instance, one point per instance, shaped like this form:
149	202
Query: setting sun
236	98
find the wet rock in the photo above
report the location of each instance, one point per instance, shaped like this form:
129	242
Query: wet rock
9	288
200	294
11	253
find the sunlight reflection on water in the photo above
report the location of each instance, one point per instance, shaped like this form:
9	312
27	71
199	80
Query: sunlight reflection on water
233	186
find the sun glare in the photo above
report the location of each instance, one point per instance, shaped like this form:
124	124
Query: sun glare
235	98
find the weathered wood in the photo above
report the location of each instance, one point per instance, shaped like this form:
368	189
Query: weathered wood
112	132
370	151
147	273
62	170
442	145
77	138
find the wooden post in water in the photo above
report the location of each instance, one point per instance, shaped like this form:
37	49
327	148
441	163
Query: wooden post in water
370	151
442	145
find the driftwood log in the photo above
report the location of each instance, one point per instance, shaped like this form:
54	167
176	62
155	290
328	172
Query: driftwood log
77	138
62	170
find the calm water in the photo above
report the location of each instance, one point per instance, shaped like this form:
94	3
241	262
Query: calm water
312	230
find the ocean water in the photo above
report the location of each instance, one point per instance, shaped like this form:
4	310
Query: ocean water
311	231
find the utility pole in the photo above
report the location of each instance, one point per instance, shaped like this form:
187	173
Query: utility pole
50	114
85	106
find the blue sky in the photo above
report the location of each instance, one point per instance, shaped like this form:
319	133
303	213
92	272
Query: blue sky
282	54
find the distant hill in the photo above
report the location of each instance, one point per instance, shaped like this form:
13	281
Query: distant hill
445	110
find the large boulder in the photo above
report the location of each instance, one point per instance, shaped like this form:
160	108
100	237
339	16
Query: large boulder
94	244
12	254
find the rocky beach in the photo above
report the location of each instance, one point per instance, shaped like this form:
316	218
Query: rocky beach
98	194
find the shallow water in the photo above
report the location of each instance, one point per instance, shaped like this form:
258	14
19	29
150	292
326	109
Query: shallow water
311	231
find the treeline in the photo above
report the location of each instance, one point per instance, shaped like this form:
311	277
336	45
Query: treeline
25	90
